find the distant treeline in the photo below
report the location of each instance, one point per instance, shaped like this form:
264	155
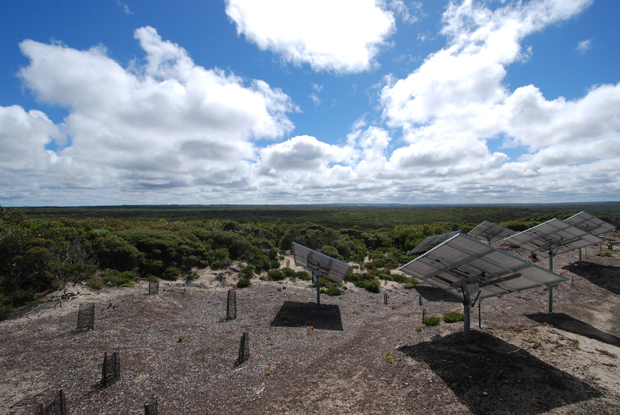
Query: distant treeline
48	248
337	217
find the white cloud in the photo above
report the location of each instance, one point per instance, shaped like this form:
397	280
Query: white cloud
165	124
456	101
405	13
342	36
124	6
584	46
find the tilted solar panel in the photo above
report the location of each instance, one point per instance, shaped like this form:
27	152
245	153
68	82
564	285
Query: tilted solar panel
431	242
590	223
554	234
465	261
490	231
315	261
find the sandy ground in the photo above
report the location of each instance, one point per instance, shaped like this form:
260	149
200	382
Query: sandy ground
354	355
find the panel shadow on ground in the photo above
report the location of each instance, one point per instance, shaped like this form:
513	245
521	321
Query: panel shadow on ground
437	294
295	314
607	277
492	376
567	323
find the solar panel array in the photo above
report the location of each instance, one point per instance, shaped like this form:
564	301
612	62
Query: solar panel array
431	242
315	261
490	231
554	234
590	223
465	261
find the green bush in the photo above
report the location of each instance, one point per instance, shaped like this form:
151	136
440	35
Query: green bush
274	264
604	254
171	273
303	275
275	275
453	317
243	283
431	321
333	291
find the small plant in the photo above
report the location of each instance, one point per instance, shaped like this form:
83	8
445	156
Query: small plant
418	329
604	254
513	246
284	317
431	321
333	291
453	317
243	283
389	357
181	338
606	353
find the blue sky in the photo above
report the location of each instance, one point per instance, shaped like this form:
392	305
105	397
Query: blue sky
285	102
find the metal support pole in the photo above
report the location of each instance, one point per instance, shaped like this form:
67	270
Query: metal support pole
479	314
317	280
467	313
63	408
550	286
580	255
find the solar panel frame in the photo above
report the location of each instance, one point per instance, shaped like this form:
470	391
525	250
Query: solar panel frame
554	234
431	242
590	223
329	267
463	259
490	230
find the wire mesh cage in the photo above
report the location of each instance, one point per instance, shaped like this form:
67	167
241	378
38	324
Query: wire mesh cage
231	305
385	298
244	349
150	408
153	287
57	407
111	369
86	316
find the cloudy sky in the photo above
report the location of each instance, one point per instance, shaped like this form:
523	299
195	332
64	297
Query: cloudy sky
308	101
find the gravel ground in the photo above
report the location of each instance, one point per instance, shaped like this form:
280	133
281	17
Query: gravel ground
354	355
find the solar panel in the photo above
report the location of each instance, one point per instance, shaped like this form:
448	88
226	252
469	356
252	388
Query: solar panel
590	223
317	262
462	261
490	231
431	242
554	234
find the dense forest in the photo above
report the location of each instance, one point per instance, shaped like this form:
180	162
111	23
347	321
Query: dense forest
44	249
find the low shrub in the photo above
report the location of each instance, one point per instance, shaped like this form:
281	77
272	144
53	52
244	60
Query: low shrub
333	291
431	321
243	283
604	254
453	317
303	275
275	275
171	273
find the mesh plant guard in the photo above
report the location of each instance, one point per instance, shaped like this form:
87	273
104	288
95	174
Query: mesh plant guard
150	408
153	287
385	298
86	317
244	349
111	370
56	407
231	305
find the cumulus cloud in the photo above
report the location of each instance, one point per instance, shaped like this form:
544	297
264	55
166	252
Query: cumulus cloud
456	102
342	36
166	123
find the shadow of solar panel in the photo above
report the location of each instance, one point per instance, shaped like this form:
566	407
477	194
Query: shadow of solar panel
493	376
567	323
295	314
607	277
437	294
150	408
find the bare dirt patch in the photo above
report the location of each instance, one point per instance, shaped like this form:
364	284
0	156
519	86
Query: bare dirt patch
355	355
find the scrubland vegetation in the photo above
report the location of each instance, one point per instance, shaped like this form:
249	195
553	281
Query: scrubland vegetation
44	249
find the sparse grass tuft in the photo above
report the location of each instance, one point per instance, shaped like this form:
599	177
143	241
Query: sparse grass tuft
453	317
431	321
